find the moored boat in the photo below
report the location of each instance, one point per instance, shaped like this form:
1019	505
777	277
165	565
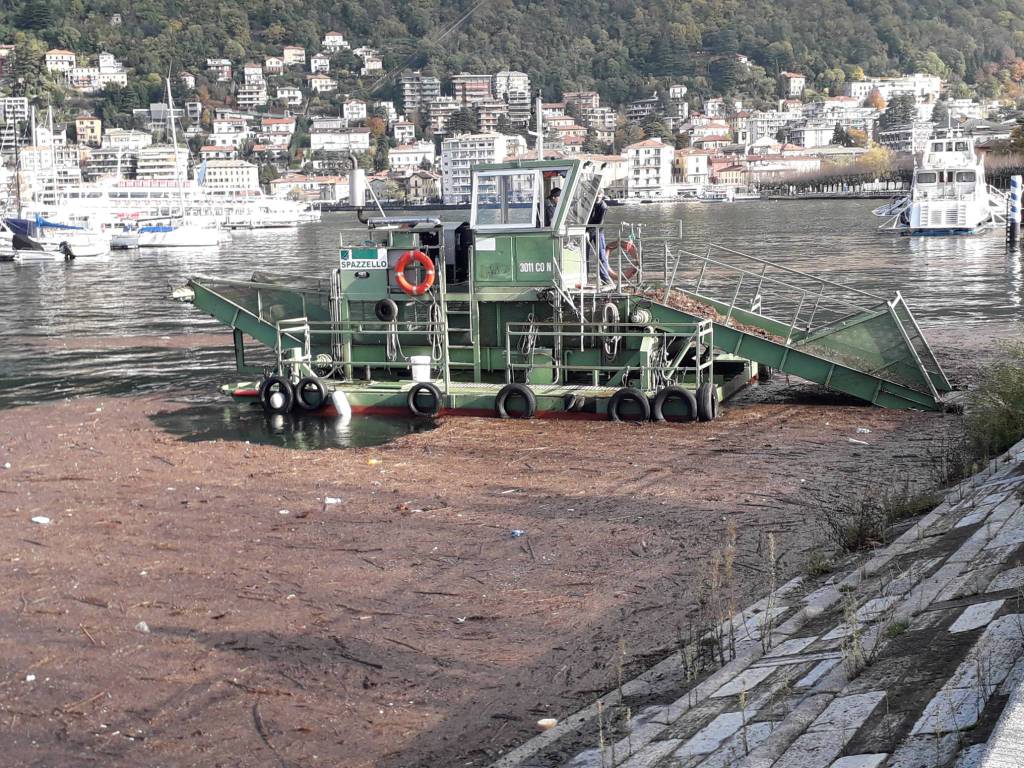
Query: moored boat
949	194
44	239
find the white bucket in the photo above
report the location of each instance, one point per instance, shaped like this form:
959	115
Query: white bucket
420	365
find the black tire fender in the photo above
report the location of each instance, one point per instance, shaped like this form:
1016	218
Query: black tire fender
515	390
270	386
630	395
416	391
386	310
669	393
707	401
310	385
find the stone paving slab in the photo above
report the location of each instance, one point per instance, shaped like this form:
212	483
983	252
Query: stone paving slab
888	665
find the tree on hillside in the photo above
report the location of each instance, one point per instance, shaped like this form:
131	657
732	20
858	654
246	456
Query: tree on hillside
857	138
940	114
28	61
655	129
840	137
902	110
463	121
875	100
380	157
35	14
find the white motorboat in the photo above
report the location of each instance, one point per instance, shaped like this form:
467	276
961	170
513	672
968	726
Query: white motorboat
178	236
40	238
949	195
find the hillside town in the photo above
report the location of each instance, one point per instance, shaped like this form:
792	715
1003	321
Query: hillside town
284	125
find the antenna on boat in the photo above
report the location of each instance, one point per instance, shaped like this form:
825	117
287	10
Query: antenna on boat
539	145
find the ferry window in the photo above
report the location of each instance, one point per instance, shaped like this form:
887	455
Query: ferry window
961	146
506	199
926	177
949	146
966	177
937	146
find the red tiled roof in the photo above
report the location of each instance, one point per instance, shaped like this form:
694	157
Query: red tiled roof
647	143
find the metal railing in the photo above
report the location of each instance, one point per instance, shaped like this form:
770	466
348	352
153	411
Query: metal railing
340	334
524	340
799	299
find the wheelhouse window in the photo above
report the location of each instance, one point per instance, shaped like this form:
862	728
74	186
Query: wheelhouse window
926	177
583	202
966	177
506	199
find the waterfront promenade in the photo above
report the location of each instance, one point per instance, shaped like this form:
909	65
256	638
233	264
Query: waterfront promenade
912	658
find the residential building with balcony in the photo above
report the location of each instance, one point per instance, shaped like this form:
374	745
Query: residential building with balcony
460	153
470	89
293	55
650	168
60	60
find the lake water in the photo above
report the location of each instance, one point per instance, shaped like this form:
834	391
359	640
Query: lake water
108	327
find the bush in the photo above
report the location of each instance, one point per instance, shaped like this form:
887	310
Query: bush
994	413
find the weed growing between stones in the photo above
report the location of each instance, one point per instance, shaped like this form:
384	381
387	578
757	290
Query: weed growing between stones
994	412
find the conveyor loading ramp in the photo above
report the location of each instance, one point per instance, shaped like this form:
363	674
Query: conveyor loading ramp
845	339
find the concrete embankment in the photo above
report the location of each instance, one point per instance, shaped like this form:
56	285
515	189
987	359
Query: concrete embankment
912	658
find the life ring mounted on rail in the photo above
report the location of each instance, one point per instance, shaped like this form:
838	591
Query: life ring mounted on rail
628	247
428	278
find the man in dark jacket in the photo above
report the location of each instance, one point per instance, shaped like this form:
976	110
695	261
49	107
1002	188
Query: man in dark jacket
595	234
551	205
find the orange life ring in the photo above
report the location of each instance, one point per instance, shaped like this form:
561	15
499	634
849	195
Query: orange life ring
428	279
627	246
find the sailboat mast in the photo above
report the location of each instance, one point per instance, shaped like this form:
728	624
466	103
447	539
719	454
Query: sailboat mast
17	168
53	152
174	141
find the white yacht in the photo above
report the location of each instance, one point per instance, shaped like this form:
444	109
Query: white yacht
949	195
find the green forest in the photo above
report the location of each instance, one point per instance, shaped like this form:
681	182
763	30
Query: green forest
621	48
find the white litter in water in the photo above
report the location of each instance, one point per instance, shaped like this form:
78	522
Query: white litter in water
30	678
855	441
863	431
41	520
283	512
332	500
7	465
276	400
142	627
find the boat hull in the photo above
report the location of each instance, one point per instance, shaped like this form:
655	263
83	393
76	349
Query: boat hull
180	237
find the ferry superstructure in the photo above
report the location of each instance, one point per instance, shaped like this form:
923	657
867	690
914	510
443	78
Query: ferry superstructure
949	195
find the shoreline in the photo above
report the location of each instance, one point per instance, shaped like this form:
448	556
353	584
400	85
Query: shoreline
402	624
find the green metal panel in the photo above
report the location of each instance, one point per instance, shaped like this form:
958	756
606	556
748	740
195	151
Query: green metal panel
404	239
364	273
534	259
831	374
494	260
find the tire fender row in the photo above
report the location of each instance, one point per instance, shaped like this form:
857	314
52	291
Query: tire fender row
278	395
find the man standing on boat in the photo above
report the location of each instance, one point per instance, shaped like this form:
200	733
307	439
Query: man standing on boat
595	236
551	205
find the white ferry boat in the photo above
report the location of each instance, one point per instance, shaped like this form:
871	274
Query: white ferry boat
117	201
949	195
